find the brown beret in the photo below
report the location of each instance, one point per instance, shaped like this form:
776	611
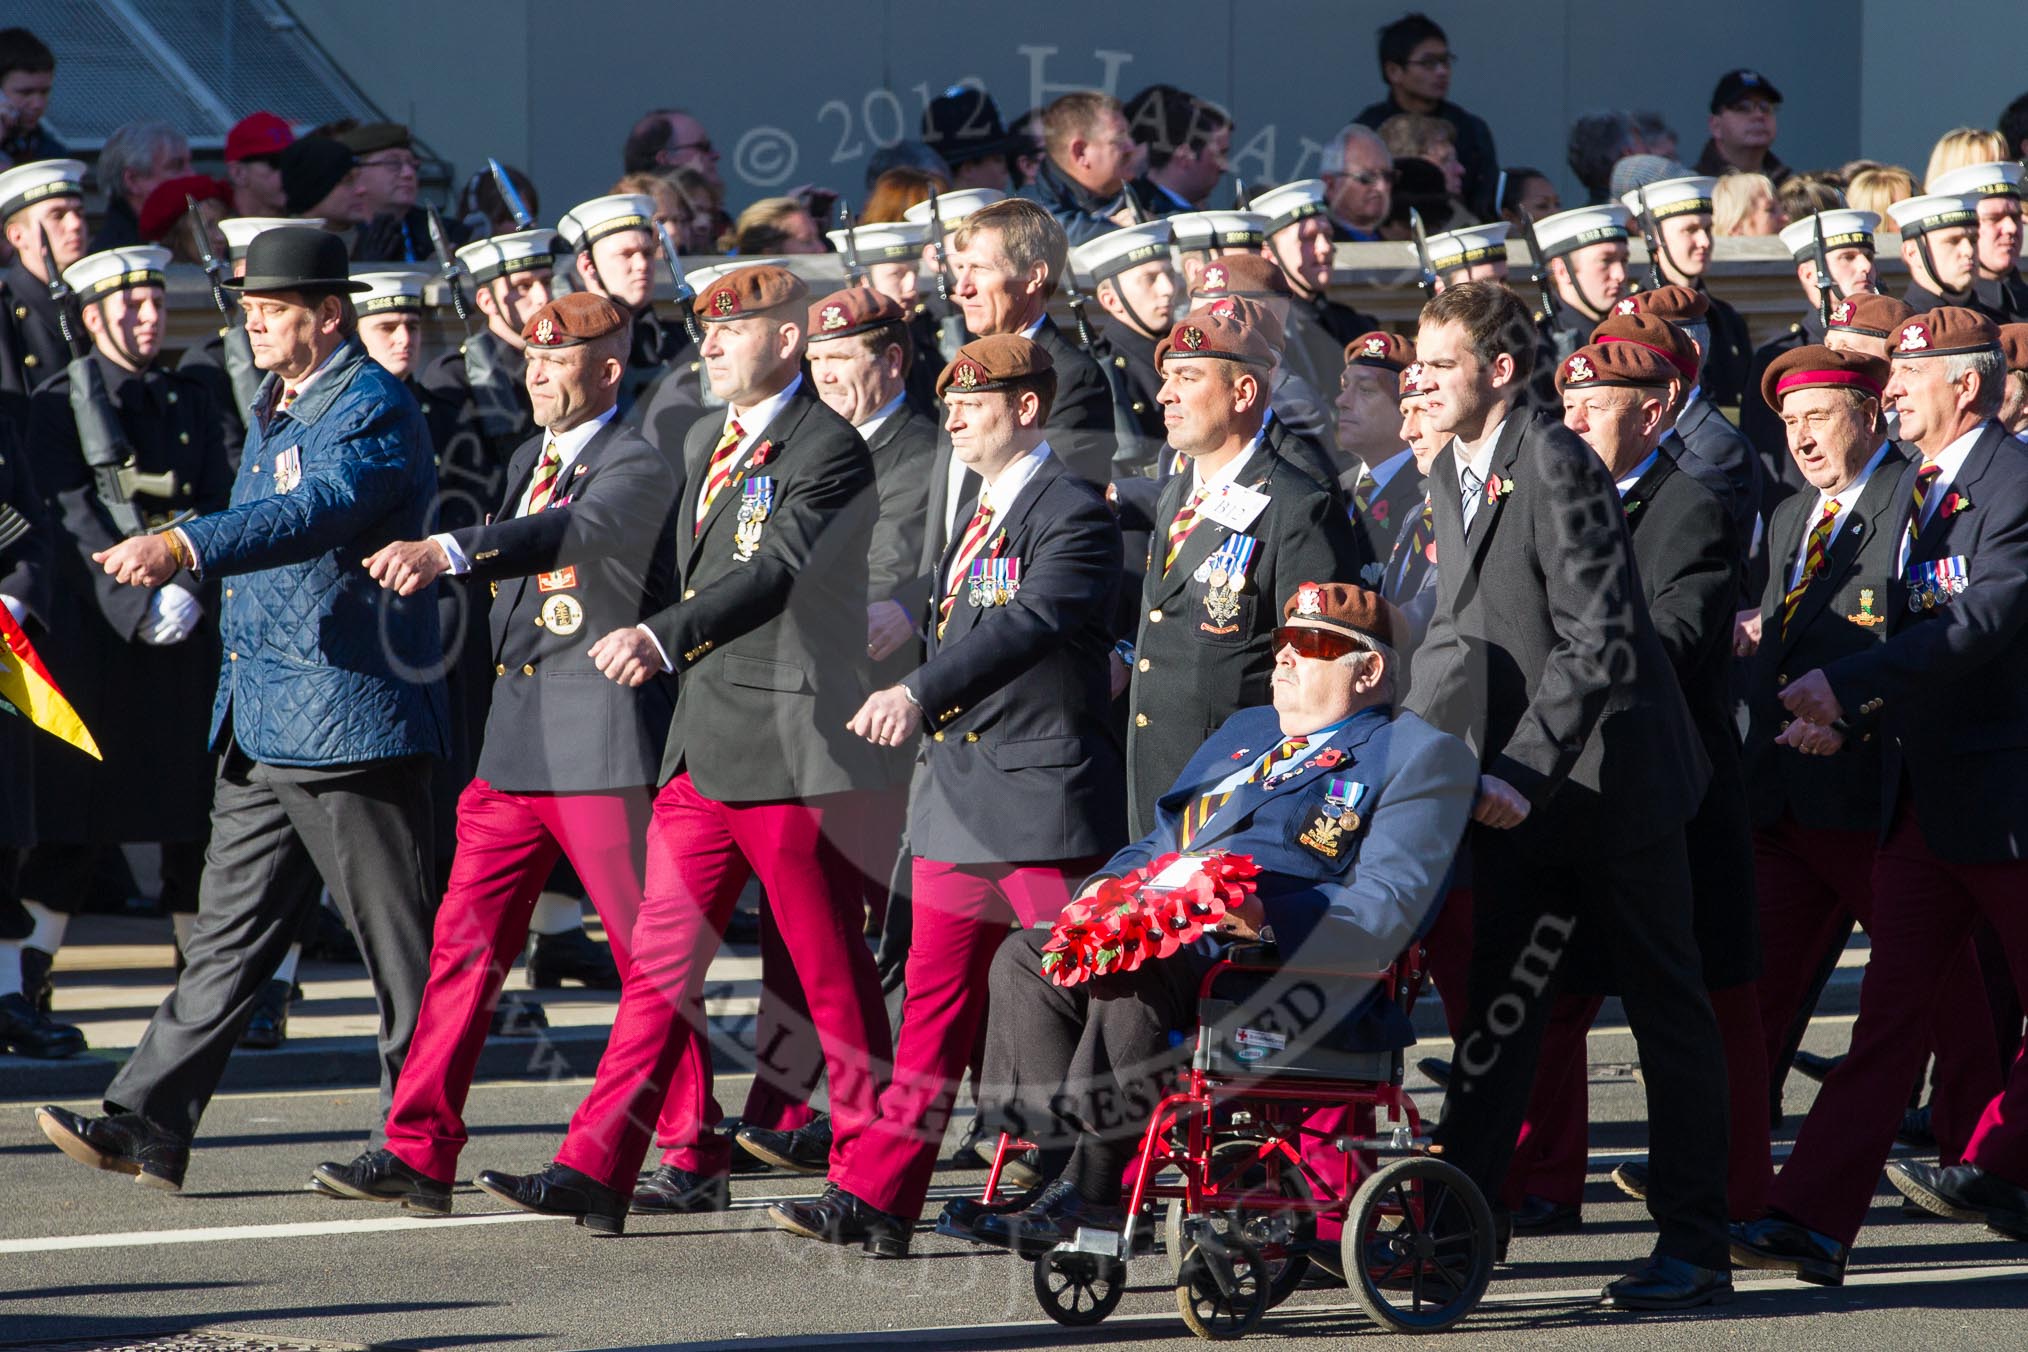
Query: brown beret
2014	344
1240	275
1235	328
1389	351
1677	304
853	310
750	291
1656	335
1615	364
1874	316
1348	607
571	319
1817	366
1413	385
1943	331
993	363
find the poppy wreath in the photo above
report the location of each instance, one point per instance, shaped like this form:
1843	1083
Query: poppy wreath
1126	923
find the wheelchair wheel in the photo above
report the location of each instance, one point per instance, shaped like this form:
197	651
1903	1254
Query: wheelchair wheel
1418	1246
1078	1289
1285	1238
1222	1287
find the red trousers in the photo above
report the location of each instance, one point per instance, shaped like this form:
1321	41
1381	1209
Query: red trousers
507	845
700	854
962	914
1550	1155
1810	885
1923	912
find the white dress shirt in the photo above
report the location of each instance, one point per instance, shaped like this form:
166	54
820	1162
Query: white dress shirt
568	446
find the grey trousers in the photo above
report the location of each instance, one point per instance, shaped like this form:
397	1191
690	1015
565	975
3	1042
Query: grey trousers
366	830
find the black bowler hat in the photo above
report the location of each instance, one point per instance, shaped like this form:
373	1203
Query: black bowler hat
296	258
963	124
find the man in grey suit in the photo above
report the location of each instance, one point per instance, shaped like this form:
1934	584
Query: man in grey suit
1541	654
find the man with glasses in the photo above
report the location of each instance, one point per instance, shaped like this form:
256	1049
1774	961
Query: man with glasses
396	229
1358	173
1743	128
1416	60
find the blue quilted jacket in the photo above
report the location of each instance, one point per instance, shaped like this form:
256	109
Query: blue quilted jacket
323	667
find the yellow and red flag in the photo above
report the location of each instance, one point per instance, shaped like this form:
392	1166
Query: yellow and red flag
25	684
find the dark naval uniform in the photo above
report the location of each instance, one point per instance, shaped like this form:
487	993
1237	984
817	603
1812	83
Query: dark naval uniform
27	574
1132	357
31	344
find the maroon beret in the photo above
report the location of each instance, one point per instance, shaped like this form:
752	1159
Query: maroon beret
1818	367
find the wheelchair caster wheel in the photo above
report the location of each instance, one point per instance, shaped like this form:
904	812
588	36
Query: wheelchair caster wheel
1418	1246
1078	1289
1223	1287
1287	1238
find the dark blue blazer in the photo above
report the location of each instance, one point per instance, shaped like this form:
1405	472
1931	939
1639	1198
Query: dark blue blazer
1355	912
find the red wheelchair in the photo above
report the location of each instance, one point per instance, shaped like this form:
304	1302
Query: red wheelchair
1233	1154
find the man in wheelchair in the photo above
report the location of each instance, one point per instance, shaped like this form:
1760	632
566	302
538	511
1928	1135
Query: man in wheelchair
1351	810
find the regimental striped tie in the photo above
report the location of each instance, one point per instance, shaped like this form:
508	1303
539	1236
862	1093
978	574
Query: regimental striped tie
718	473
1180	528
1924	477
1362	493
1202	810
1813	563
543	486
1420	539
1178	462
969	545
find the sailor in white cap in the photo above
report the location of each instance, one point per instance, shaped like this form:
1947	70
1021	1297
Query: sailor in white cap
951	207
140	664
1995	192
1298	231
1474	253
390	320
1584	255
1200	236
1127	272
42	197
893	253
614	240
1678	213
1939	244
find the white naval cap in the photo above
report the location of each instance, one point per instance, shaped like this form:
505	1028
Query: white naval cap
1290	203
26	184
1462	248
1844	228
518	251
1116	251
1204	230
240	231
98	275
386	291
884	241
953	206
1673	196
1933	211
1569	231
1996	178
700	279
589	222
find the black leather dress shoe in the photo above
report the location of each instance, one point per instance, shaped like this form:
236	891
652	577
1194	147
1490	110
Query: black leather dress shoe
1780	1245
1054	1218
269	1026
1963	1192
840	1218
961	1215
806	1150
1660	1283
739	1162
125	1143
1540	1216
1811	1066
1437	1069
27	1031
35	982
560	1190
974	1150
380	1176
572	955
1631	1178
670	1191
1916	1130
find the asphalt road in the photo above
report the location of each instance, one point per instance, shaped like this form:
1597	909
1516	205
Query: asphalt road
91	1260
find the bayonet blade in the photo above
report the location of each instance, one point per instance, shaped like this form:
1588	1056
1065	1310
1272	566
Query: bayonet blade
523	218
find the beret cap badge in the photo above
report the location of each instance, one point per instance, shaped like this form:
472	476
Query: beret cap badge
545	331
1191	339
833	318
1578	369
1376	345
1914	338
723	301
1310	599
966	376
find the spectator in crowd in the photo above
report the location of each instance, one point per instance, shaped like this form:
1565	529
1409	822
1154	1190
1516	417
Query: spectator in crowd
895	191
1025	160
1186	140
1530	195
1598	141
1082	182
1638	171
911	155
706	206
1742	128
1804	195
165	216
396	229
1657	136
253	164
1745	204
962	125
27	74
1419	186
321	181
671	208
776	225
1962	146
1416	60
485	213
670	138
2014	129
1358	174
133	160
1878	189
1414	136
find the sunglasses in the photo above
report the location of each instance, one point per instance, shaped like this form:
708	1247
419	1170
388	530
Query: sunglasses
1323	644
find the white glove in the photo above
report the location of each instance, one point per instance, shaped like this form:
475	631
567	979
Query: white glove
18	609
173	612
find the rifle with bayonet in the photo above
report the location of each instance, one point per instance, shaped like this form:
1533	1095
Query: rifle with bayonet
524	219
1128	454
1562	341
240	372
686	295
1825	286
1651	235
107	452
855	275
493	396
1428	279
950	325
